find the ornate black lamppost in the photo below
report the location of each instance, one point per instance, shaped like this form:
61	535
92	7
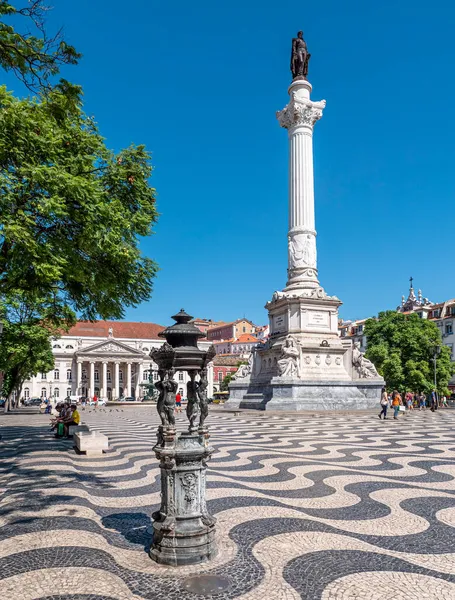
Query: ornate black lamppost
183	531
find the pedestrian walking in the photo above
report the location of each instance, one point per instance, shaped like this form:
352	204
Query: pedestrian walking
396	403
433	401
178	402
422	402
409	400
384	404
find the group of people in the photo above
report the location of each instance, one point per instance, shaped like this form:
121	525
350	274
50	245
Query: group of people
65	416
411	401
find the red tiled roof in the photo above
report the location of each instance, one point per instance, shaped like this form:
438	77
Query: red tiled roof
121	329
246	337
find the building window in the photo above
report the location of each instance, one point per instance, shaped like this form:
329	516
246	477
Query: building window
145	349
26	393
97	375
56	393
145	376
244	330
120	376
108	375
449	328
180	376
43	375
68	392
56	346
56	374
181	391
43	392
69	375
69	347
220	376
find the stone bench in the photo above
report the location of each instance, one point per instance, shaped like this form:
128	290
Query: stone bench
92	443
72	429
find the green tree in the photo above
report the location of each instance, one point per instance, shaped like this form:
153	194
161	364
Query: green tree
402	348
224	385
28	50
25	348
71	211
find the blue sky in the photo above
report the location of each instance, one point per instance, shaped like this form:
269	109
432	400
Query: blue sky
199	83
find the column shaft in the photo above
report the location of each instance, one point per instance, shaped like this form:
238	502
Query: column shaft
116	386
92	380
128	379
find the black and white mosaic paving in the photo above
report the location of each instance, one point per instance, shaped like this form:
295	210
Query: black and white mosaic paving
320	507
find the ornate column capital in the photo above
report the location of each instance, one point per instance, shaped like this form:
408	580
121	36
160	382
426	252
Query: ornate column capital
300	112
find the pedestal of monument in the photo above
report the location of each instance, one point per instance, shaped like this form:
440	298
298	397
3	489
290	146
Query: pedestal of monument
304	365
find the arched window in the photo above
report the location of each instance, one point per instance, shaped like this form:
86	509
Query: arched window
145	349
69	374
69	347
26	393
56	374
43	392
43	375
56	346
108	375
56	393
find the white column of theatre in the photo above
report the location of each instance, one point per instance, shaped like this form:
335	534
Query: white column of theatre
116	386
104	388
128	380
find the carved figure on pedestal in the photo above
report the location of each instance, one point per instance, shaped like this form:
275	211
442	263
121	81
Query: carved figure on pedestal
288	364
244	370
300	57
302	251
201	390
192	405
364	367
166	401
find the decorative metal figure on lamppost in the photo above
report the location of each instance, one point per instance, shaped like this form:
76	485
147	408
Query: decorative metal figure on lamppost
183	530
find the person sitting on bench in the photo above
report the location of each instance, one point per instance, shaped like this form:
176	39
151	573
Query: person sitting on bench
73	418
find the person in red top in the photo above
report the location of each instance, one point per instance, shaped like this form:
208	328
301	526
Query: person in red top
178	402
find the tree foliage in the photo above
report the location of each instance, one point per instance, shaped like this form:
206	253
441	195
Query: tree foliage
402	348
25	348
71	211
28	50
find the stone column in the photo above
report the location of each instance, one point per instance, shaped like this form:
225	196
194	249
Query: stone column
128	379
79	377
103	392
139	379
116	386
299	117
210	380
92	379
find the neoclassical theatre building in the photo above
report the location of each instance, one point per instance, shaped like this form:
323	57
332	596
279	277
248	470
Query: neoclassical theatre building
107	358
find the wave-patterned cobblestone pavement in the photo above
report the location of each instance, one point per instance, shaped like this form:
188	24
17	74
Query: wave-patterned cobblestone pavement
323	507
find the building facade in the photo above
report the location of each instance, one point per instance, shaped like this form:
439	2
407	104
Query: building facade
108	358
222	366
230	331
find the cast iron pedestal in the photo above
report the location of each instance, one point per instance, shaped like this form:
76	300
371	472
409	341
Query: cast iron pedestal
183	531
